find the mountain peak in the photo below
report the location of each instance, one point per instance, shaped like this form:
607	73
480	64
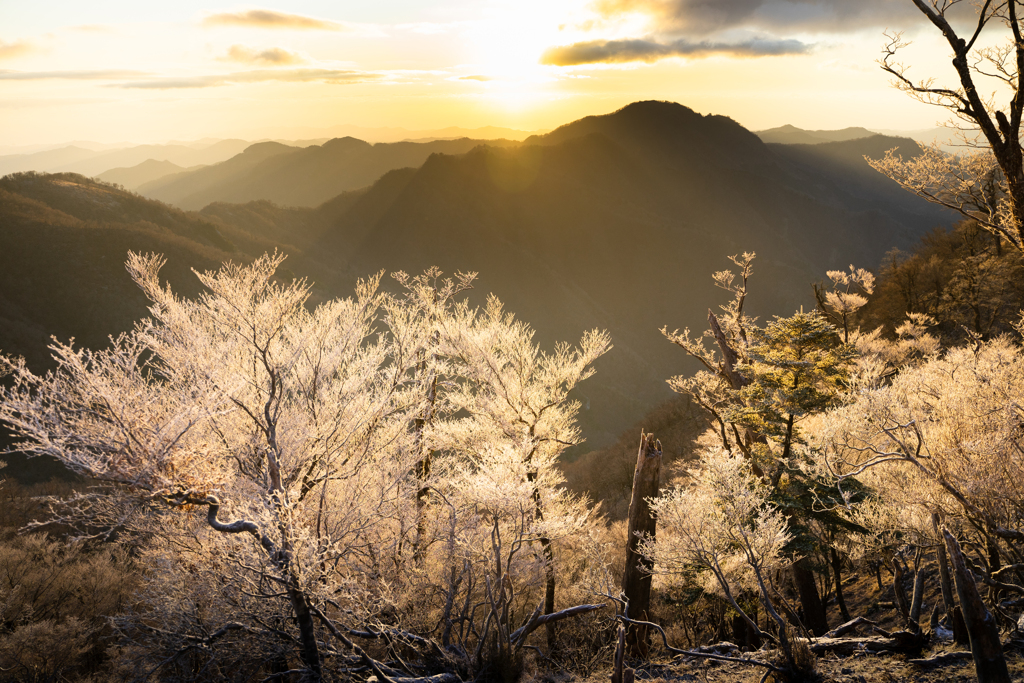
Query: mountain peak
347	142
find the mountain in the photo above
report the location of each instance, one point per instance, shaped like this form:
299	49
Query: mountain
303	177
791	135
140	174
613	221
45	160
63	242
89	162
618	221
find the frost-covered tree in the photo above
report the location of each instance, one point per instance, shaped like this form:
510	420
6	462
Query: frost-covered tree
758	387
279	463
722	525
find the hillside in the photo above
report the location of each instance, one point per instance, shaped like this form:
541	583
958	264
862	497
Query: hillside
63	242
306	177
140	174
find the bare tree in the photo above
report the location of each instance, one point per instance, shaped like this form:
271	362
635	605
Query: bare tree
987	185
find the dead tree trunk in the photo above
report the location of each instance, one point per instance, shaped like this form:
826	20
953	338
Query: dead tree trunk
636	580
915	602
989	663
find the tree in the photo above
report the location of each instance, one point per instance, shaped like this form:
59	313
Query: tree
309	430
987	186
758	388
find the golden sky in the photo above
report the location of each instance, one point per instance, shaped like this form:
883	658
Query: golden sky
122	70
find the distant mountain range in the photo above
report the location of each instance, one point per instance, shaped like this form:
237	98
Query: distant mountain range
94	162
791	135
93	159
298	177
947	138
613	221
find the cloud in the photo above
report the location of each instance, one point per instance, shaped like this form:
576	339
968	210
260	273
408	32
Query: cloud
16	49
332	76
705	17
273	56
474	78
99	75
265	18
92	28
648	50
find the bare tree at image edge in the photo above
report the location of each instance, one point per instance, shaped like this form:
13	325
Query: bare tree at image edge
986	186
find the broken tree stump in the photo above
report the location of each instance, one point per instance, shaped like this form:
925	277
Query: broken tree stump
987	651
636	580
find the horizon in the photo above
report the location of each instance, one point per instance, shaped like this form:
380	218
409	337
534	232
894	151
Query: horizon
114	72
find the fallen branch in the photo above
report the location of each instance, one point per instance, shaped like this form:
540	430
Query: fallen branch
843	629
942	659
695	653
520	634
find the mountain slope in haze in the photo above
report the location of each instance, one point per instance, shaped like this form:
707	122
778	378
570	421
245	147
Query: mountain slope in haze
827	168
140	174
791	135
178	188
46	160
306	177
618	221
92	163
63	242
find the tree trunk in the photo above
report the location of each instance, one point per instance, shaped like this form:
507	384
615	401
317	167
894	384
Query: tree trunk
310	649
944	581
837	567
898	591
814	611
915	603
636	579
549	591
989	663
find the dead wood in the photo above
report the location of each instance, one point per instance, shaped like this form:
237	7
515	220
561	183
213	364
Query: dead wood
942	659
849	626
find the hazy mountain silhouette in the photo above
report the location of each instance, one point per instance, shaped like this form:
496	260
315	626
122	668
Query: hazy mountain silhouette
140	174
92	163
306	177
791	135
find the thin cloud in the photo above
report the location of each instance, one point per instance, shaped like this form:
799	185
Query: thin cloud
647	50
265	18
98	75
274	56
474	78
16	49
331	76
92	28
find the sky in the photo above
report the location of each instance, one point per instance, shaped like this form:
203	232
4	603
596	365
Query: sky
129	71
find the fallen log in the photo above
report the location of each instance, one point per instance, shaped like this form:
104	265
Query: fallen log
899	641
